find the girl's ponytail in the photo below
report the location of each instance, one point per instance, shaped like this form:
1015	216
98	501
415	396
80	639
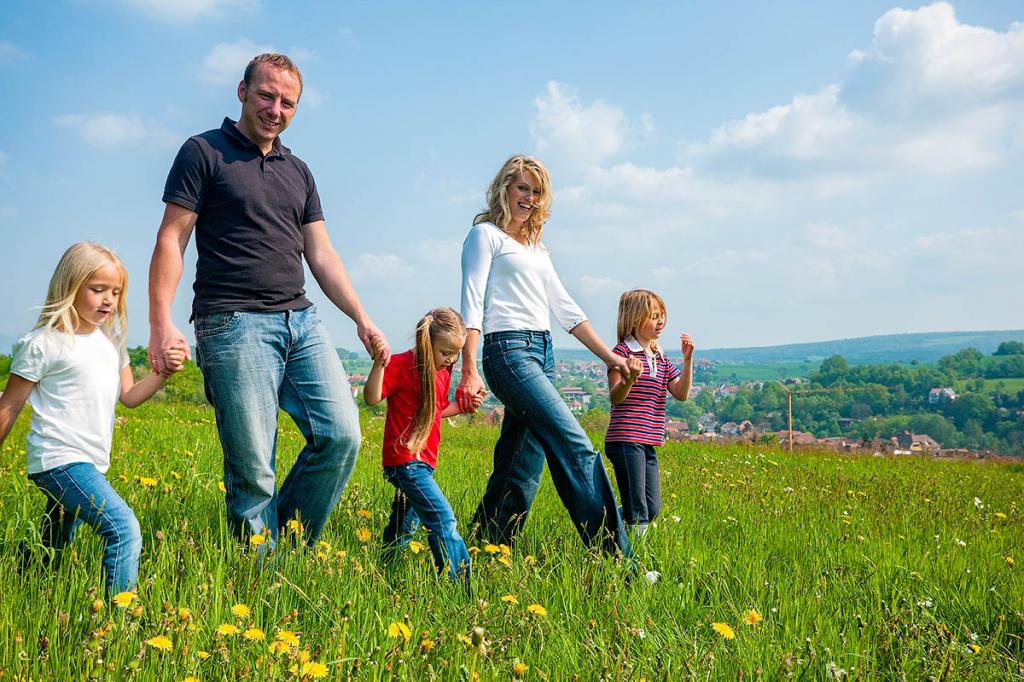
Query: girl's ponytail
439	322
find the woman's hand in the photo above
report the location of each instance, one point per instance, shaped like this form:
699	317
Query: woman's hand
470	392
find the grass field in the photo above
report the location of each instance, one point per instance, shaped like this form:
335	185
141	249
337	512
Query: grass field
856	568
1008	386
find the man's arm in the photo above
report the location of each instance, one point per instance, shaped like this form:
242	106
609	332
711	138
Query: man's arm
164	274
329	272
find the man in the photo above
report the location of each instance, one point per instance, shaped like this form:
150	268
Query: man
259	342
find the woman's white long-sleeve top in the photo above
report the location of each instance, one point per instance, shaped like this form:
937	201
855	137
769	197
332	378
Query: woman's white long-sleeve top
510	286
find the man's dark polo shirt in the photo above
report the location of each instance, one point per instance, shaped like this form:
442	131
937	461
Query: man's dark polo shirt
251	211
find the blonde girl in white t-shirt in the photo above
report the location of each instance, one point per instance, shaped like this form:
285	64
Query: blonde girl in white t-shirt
72	368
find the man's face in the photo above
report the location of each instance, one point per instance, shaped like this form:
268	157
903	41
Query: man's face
268	104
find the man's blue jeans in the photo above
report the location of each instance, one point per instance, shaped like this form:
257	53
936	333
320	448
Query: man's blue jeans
418	499
77	493
253	364
520	370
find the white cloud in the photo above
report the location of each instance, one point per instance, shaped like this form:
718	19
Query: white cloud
591	285
186	11
376	267
566	129
226	62
826	237
10	53
109	130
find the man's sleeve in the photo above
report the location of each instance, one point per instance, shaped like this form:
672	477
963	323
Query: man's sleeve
187	179
312	211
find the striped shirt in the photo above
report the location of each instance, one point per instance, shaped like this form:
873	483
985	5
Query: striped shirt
640	418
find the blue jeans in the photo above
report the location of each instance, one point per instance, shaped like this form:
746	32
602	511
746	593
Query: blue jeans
520	370
636	471
418	499
253	364
78	492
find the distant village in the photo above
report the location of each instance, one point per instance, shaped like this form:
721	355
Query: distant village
584	387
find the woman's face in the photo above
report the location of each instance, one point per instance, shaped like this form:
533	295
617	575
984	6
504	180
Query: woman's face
524	193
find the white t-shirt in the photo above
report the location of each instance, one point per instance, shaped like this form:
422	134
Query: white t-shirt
78	383
510	286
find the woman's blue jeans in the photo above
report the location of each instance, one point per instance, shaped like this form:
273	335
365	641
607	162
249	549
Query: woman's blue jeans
254	363
520	370
77	493
419	499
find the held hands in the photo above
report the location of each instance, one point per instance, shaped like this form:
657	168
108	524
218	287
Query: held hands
379	350
164	340
635	367
687	347
470	393
174	360
476	400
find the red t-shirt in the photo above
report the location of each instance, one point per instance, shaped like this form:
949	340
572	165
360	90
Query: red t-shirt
402	389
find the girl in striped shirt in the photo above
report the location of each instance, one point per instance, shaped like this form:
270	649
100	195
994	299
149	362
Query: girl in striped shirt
638	404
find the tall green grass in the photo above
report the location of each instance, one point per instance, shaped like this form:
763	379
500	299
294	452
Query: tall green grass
860	568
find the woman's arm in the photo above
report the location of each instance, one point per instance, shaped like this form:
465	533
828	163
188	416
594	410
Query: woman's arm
589	338
470	385
477	253
680	386
12	401
620	385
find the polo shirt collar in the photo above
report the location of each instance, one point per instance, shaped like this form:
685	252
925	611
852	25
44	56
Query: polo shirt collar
228	128
634	345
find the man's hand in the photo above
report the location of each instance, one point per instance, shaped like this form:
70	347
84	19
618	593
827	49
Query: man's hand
162	340
375	342
470	393
476	400
174	360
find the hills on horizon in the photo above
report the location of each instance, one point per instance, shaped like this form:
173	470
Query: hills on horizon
900	348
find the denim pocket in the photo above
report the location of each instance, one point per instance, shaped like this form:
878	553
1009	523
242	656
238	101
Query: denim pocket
215	323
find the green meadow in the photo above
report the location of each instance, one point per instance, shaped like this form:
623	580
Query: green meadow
775	566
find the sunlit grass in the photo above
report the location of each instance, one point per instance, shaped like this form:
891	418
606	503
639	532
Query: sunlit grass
868	567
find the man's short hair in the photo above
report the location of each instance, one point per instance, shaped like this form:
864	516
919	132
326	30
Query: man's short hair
275	59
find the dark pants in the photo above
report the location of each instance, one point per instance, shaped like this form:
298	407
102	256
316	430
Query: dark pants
636	471
520	369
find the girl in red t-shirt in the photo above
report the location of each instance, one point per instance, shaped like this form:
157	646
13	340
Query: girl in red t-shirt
416	385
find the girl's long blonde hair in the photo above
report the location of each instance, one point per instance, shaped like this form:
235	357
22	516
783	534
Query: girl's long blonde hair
439	323
634	307
498	210
76	266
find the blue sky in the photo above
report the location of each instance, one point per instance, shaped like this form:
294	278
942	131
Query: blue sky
779	171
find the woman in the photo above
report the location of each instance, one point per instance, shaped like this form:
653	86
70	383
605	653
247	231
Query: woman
509	289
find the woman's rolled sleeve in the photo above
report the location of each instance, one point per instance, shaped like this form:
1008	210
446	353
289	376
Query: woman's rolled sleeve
476	266
563	307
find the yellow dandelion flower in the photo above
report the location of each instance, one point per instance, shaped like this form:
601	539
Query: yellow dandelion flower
474	550
220	487
124	599
137	611
341	554
519	669
288	637
397	630
465	639
227	629
1009	560
160	642
975	648
240	611
278	647
147	482
537	610
203	655
365	514
192	678
505	560
426	645
295	526
1000	515
254	635
530	559
363	534
724	630
415	547
303	656
176	475
510	599
184	614
491	549
505	549
257	539
324	545
752	617
97	605
314	670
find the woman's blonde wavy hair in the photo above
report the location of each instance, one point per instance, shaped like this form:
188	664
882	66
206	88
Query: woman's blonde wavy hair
634	307
439	323
498	210
76	266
